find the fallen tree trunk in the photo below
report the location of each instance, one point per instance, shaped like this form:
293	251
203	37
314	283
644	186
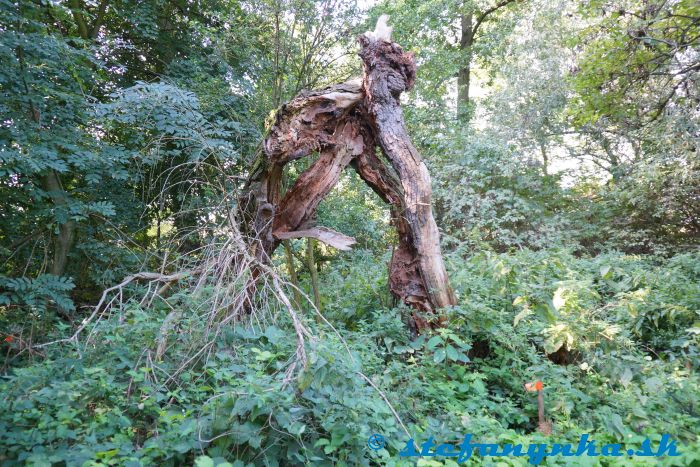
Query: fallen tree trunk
345	124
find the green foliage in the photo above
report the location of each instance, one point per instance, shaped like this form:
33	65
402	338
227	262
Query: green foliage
431	30
354	287
637	56
37	293
629	324
447	347
650	210
354	209
112	406
483	193
568	207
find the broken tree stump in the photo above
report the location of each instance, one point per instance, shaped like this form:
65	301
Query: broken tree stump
345	124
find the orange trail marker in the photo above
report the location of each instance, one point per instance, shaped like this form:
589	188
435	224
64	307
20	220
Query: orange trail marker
534	386
544	426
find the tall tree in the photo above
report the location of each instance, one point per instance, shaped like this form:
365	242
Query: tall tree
472	17
448	38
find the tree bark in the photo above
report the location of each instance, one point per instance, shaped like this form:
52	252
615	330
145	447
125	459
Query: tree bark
388	72
545	159
345	124
77	9
470	22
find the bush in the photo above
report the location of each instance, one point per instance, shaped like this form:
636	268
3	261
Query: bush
628	324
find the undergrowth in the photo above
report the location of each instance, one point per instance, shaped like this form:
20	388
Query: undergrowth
613	338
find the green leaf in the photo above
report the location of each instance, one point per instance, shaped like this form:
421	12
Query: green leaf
439	355
204	461
626	377
518	300
305	380
452	353
434	342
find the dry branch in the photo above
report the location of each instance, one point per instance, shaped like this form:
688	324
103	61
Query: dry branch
322	234
103	304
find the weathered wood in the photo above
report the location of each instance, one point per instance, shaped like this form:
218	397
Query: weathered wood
345	124
388	72
298	207
322	234
313	121
405	281
308	122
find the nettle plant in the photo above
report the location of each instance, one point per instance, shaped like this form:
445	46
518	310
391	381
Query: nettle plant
446	346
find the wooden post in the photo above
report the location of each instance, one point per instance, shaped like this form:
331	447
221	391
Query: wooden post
544	426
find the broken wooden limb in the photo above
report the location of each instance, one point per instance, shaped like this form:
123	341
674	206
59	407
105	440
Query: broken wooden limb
298	207
315	121
389	71
308	122
322	234
405	280
345	124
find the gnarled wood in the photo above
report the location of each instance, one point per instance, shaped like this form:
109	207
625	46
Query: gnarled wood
308	122
345	123
388	72
298	207
405	280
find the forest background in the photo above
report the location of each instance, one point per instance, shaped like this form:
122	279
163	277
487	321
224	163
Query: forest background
562	140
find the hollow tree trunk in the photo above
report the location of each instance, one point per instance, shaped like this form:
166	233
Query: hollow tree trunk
345	124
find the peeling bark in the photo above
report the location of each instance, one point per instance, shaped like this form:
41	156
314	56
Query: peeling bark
389	72
345	124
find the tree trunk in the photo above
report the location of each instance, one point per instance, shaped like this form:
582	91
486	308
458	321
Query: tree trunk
292	272
545	159
77	10
388	72
66	231
345	123
464	77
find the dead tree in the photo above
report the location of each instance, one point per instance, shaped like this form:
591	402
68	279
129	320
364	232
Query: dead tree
346	124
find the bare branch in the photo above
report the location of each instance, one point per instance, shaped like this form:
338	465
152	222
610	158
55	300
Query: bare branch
486	13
